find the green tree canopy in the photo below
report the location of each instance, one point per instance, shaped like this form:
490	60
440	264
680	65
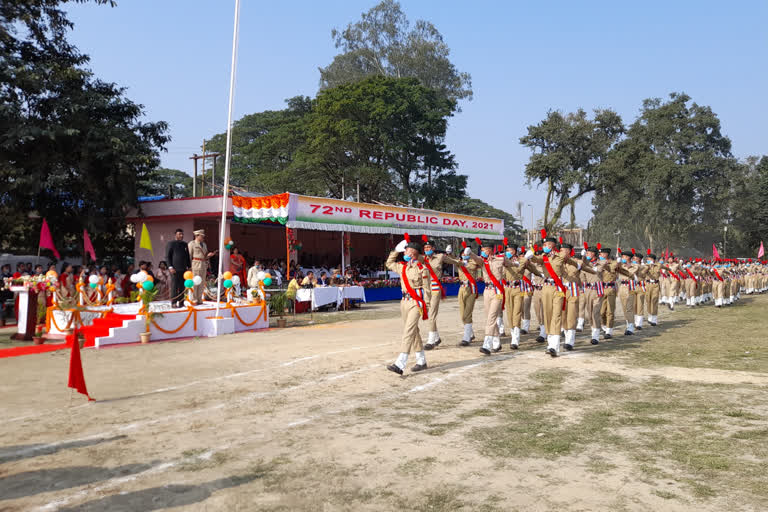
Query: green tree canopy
383	44
72	147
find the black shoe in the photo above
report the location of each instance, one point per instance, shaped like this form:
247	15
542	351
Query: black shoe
552	352
497	349
419	367
485	351
653	324
512	346
523	331
607	337
628	333
437	342
639	328
579	330
594	342
463	343
395	368
429	346
472	338
669	306
568	347
541	339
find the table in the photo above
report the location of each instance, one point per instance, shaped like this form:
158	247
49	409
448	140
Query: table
322	296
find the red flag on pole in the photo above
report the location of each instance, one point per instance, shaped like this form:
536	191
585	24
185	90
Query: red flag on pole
714	252
76	377
88	245
761	252
46	241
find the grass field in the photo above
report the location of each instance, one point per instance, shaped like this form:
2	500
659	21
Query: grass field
307	418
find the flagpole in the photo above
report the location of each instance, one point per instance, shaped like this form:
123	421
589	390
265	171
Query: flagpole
228	157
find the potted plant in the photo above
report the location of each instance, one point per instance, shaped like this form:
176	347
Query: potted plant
146	299
278	305
39	337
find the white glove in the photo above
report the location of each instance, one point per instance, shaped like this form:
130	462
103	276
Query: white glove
467	251
583	252
401	246
528	254
449	249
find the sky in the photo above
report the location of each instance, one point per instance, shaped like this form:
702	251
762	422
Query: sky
525	58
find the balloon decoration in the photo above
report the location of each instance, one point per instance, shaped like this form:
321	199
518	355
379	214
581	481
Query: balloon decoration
188	274
197	280
267	276
227	275
261	275
227	283
229	244
51	274
143	276
92	284
267	281
134	278
148	285
189	283
93	280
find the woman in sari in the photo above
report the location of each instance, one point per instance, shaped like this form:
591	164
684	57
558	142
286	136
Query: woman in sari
163	281
237	265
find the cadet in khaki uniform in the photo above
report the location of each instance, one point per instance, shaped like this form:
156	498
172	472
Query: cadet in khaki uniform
492	266
538	285
551	296
574	290
611	270
640	287
719	283
626	292
434	262
593	292
514	290
198	253
468	274
652	287
415	285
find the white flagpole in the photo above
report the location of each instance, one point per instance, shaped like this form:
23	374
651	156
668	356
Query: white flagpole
228	158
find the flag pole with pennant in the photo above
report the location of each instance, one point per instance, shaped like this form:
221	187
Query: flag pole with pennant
46	240
145	242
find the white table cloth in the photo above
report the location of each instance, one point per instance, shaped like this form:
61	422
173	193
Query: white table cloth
322	296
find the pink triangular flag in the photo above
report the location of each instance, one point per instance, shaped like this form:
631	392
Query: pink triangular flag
715	254
88	245
46	241
761	252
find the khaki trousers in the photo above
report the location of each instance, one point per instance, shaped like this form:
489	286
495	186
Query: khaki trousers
582	305
466	304
640	302
592	306
536	305
411	313
652	298
690	288
514	307
434	308
570	315
527	306
198	269
552	309
492	304
627	299
608	308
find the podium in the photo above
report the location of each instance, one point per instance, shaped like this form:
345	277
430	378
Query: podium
27	312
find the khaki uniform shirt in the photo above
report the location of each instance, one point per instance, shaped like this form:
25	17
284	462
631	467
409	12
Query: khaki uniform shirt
198	253
415	271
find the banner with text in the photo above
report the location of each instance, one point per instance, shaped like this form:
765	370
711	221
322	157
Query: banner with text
336	215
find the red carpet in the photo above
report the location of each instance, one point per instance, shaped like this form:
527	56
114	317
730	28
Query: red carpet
30	349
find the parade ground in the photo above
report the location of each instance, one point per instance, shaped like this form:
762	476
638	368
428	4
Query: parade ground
307	418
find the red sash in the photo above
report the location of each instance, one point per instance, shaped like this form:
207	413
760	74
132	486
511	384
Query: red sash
718	274
497	284
415	296
469	278
690	274
527	281
435	279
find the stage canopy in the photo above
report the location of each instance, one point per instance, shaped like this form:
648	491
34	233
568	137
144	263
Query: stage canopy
318	213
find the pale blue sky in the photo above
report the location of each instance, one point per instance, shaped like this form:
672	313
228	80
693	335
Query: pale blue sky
525	58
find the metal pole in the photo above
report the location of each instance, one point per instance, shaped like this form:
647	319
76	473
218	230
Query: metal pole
225	190
202	174
725	234
194	177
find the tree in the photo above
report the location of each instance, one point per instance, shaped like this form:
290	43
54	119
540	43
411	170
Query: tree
670	176
385	134
72	147
381	44
171	183
568	151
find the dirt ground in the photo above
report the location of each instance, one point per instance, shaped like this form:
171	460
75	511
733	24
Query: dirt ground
674	418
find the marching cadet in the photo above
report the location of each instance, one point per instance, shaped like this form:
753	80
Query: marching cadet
574	289
652	286
538	284
467	293
527	297
492	266
640	289
593	291
690	285
415	286
553	293
626	292
514	289
199	254
718	284
434	262
611	270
